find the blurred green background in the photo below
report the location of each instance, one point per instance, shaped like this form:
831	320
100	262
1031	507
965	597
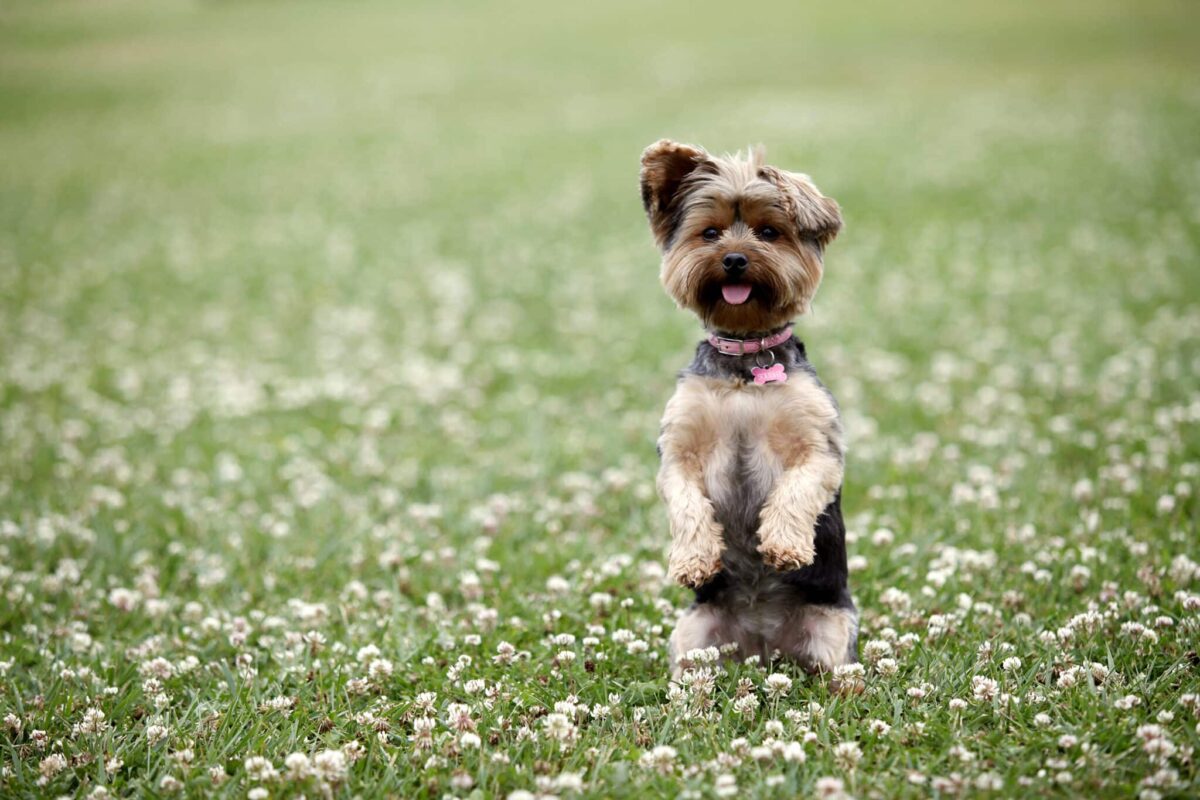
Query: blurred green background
269	229
276	228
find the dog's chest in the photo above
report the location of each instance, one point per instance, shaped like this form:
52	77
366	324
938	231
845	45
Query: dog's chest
737	427
746	436
742	468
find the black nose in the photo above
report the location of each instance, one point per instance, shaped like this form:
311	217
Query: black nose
735	263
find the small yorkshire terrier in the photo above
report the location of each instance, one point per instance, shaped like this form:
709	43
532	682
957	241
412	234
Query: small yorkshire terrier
751	442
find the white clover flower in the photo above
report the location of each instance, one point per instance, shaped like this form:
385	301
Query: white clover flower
155	734
260	769
569	782
50	766
746	706
887	667
829	788
778	684
847	754
962	754
702	655
298	766
124	599
559	727
281	704
458	716
330	765
793	753
984	688
93	722
876	649
505	653
380	669
895	599
1069	677
661	759
848	671
158	668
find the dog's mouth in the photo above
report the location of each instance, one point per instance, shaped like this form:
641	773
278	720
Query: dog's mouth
739	294
736	293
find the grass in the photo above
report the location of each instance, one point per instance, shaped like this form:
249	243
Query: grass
332	355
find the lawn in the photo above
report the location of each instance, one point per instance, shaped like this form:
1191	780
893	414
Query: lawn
332	354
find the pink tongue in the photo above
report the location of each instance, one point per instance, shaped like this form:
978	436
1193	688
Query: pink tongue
735	293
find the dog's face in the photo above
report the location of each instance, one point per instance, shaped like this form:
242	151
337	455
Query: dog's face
742	241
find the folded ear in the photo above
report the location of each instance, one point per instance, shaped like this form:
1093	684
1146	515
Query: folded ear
664	166
816	216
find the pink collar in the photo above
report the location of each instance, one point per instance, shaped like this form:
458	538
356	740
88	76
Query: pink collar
740	347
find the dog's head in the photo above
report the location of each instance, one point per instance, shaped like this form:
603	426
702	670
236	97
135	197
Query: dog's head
742	242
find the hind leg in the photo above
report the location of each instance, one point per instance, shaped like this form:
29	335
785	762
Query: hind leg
821	637
698	628
708	625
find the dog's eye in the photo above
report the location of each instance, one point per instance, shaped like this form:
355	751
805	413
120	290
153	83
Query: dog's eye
711	234
768	233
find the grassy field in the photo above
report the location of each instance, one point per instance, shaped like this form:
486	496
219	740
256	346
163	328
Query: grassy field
332	354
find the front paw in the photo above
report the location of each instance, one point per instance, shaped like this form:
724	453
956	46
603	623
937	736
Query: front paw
694	569
786	551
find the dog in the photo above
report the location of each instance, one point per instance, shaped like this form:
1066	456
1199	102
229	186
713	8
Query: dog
751	448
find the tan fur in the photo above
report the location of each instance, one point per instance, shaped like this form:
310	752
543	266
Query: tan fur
824	637
686	191
748	470
664	166
697	629
817	637
792	439
687	443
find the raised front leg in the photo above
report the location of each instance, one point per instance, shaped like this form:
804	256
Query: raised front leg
788	522
696	542
686	442
809	445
